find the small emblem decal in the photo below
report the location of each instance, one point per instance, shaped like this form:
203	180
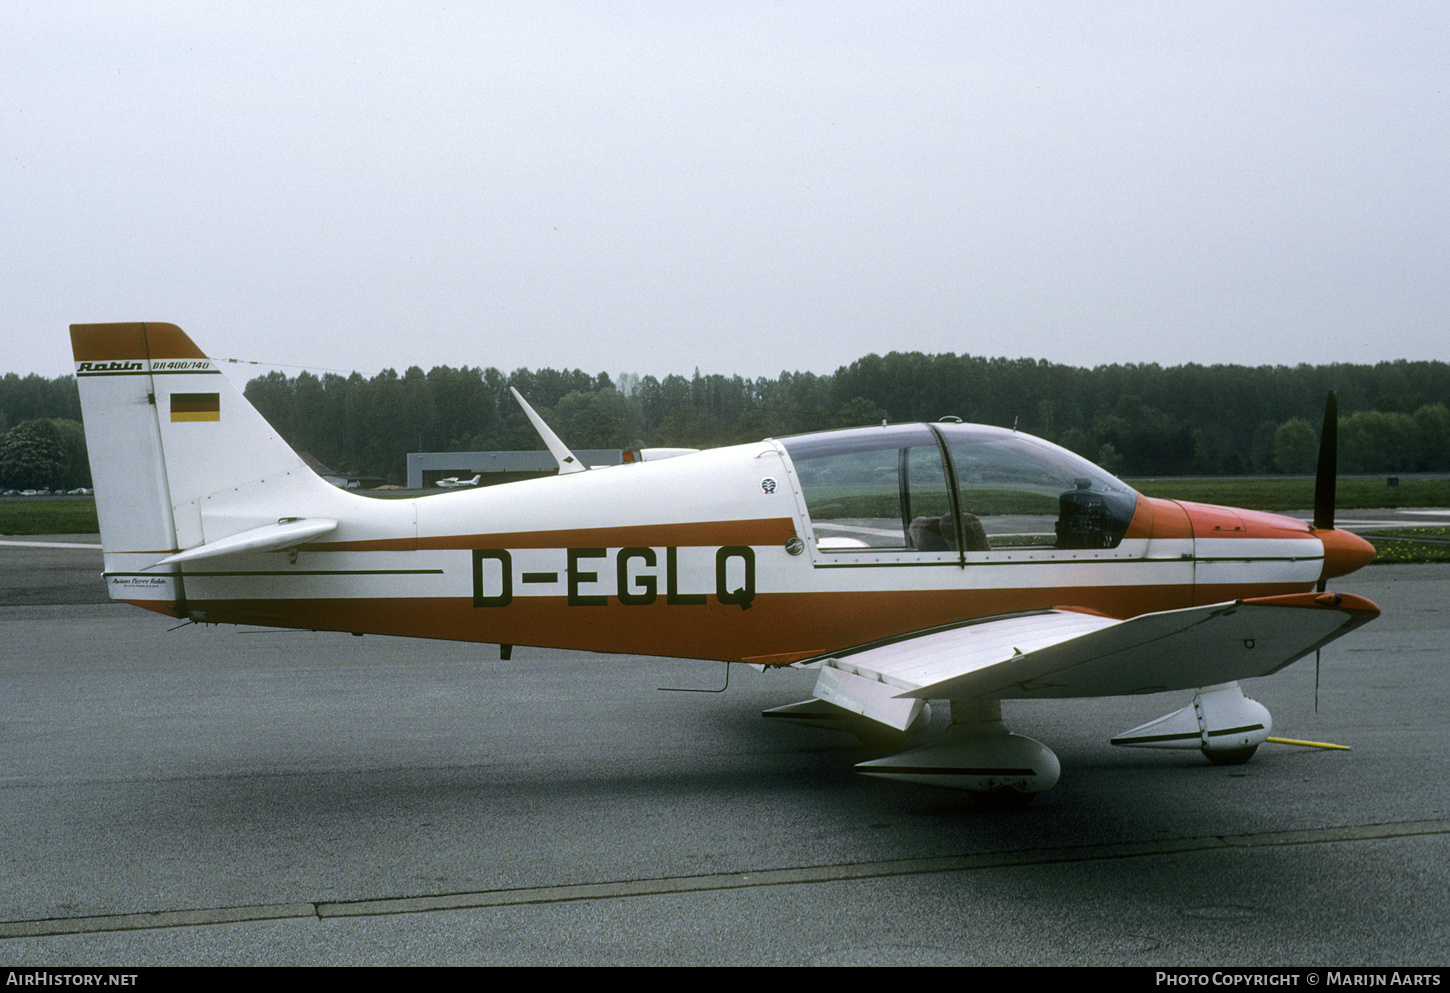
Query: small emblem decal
196	407
768	484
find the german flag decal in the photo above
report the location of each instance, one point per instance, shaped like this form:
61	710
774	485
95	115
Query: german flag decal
196	407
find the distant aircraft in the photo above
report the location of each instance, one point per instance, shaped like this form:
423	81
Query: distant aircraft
904	563
452	482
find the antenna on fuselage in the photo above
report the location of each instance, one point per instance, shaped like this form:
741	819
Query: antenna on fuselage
568	461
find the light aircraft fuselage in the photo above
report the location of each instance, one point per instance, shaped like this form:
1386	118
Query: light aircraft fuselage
766	552
907	562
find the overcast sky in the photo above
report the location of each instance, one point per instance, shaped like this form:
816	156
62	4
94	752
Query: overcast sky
742	187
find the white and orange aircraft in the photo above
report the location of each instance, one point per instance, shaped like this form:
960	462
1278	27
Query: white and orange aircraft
904	563
453	482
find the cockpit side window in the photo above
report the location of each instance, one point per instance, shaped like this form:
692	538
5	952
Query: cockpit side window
875	488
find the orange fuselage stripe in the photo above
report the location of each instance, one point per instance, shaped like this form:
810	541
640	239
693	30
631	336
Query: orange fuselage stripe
780	627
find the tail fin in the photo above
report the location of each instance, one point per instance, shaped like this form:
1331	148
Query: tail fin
179	458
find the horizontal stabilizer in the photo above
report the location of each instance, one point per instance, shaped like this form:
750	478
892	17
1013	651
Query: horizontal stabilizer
267	538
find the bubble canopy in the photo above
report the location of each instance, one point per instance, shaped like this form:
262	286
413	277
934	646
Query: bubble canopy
952	486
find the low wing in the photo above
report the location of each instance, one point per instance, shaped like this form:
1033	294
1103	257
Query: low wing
1066	653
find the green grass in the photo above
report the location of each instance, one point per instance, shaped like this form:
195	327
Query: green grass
1396	545
48	515
1298	494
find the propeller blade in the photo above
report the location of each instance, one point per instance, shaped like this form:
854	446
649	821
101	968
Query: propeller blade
1324	476
1328	466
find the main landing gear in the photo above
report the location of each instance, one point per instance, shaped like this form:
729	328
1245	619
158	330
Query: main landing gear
997	768
977	753
1002	770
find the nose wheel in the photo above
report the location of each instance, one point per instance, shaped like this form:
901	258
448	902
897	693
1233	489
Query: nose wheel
1231	756
1221	722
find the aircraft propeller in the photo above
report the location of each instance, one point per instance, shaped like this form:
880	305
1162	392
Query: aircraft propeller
1325	475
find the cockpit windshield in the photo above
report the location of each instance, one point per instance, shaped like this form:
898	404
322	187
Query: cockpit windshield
948	487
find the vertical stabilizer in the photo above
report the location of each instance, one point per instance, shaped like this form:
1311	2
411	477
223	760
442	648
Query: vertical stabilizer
178	456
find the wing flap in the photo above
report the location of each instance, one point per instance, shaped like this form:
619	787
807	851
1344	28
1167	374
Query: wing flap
868	697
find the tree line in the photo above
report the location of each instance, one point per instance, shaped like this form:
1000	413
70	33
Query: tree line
42	443
1134	419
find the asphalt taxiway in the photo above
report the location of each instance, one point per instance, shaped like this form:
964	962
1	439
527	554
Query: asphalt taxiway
240	796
